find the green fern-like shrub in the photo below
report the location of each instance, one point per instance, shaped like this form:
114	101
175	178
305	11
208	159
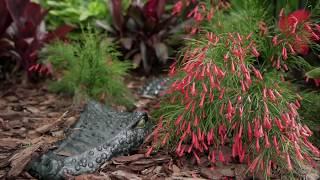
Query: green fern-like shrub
90	69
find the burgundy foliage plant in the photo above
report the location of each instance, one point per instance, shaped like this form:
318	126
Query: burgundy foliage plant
22	35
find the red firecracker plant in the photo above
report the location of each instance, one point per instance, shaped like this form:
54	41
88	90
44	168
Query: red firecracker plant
222	97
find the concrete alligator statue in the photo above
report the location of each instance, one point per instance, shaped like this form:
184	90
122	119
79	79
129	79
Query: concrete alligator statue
99	135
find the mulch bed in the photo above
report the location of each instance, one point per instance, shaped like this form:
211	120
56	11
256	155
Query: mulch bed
31	120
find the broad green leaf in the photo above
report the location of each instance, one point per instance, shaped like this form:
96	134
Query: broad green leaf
314	74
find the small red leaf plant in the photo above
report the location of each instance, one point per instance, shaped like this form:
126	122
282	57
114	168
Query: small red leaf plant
22	35
296	34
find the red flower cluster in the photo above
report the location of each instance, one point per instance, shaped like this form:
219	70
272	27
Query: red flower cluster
209	84
298	31
199	13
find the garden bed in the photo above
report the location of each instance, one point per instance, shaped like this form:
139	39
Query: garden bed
241	99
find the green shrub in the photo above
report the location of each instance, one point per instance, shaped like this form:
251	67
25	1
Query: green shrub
90	68
230	91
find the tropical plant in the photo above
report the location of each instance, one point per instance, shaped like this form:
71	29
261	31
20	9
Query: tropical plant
22	36
74	12
145	31
229	92
89	68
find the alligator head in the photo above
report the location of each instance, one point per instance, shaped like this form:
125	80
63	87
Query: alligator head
99	135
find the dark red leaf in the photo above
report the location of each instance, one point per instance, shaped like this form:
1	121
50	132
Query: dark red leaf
116	11
59	33
5	18
16	8
161	8
144	56
150	9
26	38
154	9
136	13
27	16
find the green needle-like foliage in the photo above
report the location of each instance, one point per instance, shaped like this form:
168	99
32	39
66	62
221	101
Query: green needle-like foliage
309	111
229	91
90	68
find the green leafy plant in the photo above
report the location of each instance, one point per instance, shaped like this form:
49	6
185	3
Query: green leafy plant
90	68
74	12
145	31
229	92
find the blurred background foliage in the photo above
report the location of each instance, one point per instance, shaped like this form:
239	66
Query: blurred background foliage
76	12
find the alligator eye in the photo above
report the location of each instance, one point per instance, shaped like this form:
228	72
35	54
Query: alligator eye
141	123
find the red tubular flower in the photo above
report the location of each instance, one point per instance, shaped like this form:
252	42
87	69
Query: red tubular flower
178	120
298	151
203	96
233	69
204	86
196	121
197	157
210	14
249	132
221	157
221	94
255	52
275	143
253	165
267	123
177	8
210	36
290	168
193	89
257	145
165	139
269	168
149	151
267	143
284	53
275	40
211	96
257	73
213	157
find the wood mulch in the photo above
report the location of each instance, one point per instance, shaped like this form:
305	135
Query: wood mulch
31	120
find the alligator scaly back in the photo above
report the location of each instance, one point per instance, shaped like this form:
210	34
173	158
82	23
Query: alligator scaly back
99	135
